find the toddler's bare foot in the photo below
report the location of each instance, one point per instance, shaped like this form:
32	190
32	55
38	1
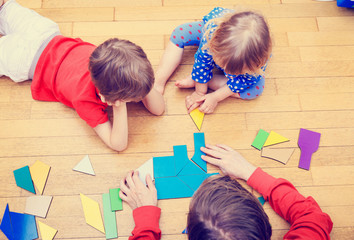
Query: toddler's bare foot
185	83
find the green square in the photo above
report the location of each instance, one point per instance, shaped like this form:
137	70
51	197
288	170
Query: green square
116	201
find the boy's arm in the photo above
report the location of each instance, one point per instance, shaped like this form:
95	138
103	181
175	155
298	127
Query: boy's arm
304	214
154	102
115	135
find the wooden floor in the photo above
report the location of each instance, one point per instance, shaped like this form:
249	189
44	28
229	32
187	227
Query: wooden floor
310	84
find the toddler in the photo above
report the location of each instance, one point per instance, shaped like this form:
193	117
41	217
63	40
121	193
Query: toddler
237	43
76	73
222	209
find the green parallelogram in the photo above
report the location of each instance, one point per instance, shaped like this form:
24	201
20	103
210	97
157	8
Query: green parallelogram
116	201
110	222
260	139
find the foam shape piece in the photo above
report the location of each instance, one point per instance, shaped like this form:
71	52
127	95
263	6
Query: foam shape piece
308	142
92	212
172	187
116	201
199	141
6	225
180	157
85	166
280	154
164	166
261	200
197	117
47	232
260	139
110	222
191	169
24	226
185	231
23	179
38	205
274	138
39	172
194	181
145	169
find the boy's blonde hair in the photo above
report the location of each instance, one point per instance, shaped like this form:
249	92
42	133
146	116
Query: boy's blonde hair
120	70
241	42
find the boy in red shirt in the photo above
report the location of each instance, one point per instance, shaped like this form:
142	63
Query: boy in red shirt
222	209
76	73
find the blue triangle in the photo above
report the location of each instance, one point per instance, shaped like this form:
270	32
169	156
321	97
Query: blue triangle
172	187
181	157
199	141
191	169
24	226
23	179
185	231
6	225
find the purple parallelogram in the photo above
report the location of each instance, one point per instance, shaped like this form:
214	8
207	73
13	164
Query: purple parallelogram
308	143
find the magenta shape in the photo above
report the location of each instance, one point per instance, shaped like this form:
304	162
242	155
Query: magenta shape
308	143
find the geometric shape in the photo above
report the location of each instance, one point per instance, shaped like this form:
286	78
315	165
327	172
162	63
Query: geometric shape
38	205
85	166
110	222
260	139
194	181
145	169
199	141
185	231
47	232
172	187
164	166
39	172
24	226
274	138
23	179
282	154
261	200
92	212
6	225
191	169
116	201
197	117
308	143
180	157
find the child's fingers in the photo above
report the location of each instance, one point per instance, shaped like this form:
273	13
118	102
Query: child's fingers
130	180
123	196
137	180
211	160
211	152
124	188
227	148
149	182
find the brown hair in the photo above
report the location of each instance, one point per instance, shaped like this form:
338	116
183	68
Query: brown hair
241	41
222	209
120	70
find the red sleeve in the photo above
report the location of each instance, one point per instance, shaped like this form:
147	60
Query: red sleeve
146	223
304	214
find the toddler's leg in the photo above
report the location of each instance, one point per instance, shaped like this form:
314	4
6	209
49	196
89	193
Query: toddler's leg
254	91
187	34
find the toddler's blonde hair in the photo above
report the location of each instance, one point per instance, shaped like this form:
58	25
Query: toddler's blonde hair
240	42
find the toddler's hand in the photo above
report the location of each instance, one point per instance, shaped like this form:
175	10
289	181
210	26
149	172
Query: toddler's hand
228	160
193	101
135	193
209	105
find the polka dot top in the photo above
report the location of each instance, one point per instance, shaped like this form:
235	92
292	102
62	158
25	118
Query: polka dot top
204	63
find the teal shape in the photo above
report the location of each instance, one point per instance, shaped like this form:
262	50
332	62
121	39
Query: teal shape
194	181
181	157
164	166
172	187
199	141
23	179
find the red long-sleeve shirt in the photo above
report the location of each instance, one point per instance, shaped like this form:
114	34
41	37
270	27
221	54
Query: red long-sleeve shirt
305	216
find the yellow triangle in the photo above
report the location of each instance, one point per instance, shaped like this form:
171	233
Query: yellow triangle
197	117
47	233
92	212
39	173
274	138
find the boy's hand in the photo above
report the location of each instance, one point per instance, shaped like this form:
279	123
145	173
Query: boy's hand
228	160
193	101
135	193
210	103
